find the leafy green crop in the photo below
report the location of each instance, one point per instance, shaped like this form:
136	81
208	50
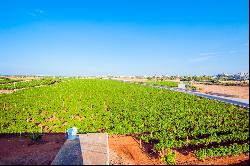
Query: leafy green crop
35	136
169	158
4	80
166	118
222	151
25	84
164	83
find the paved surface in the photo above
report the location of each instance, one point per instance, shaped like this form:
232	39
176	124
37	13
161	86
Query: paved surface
86	149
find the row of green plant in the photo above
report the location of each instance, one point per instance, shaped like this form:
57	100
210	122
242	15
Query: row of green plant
165	118
182	78
26	84
172	84
5	80
233	149
164	83
178	143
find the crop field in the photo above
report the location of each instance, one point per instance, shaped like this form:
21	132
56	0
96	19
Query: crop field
11	84
4	80
167	119
164	83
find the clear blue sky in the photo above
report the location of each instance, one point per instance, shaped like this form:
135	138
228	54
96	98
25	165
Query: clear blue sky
125	37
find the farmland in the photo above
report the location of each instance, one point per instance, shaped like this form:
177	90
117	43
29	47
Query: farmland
11	84
167	119
6	80
164	83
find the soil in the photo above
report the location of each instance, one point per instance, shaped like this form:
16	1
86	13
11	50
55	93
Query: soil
127	150
6	91
241	92
190	159
232	160
16	150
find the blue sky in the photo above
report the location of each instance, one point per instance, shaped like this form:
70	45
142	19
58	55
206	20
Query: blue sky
125	37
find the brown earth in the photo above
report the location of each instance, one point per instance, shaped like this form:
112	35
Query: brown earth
127	150
16	150
190	159
6	91
230	160
228	91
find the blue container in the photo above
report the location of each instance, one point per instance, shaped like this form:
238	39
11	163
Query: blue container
72	132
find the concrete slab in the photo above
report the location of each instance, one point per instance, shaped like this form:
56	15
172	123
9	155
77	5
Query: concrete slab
95	149
86	149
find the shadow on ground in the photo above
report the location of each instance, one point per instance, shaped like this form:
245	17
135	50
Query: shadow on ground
70	154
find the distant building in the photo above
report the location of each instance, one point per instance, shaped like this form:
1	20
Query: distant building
181	85
241	76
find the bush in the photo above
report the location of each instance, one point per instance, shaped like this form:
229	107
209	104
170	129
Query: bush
169	158
35	136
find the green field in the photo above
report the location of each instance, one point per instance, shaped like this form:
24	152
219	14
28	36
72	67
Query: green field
164	83
27	84
4	80
165	118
